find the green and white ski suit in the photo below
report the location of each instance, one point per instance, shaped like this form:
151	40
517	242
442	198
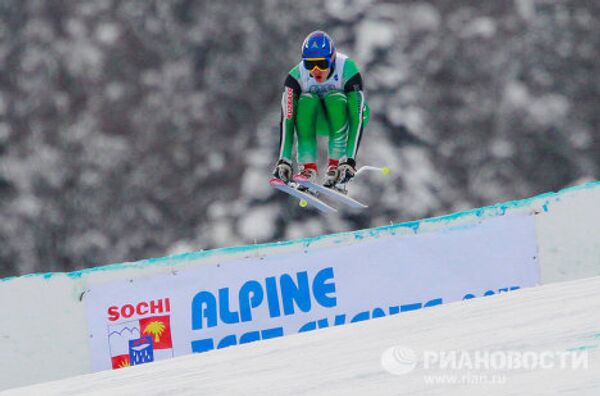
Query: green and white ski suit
335	108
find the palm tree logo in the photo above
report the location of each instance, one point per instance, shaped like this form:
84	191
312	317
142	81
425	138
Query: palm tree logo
155	328
124	363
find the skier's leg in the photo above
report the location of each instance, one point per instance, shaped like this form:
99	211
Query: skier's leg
358	112
358	115
308	104
336	106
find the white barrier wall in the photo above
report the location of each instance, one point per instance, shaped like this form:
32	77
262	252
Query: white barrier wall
44	332
224	304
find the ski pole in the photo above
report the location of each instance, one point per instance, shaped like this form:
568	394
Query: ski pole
385	170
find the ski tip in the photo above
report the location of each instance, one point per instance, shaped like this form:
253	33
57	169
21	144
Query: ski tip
385	171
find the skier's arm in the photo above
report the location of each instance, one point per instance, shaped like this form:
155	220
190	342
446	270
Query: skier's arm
356	107
289	103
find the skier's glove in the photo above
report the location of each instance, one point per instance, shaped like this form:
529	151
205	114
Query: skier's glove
283	170
347	170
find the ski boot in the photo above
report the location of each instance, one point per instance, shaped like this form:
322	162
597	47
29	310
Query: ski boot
332	175
308	171
346	172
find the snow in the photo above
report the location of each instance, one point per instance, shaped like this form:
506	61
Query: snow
418	165
372	35
4	128
3	104
107	33
480	27
259	224
424	17
255	184
180	247
501	148
559	318
114	91
222	233
546	110
59	348
526	8
216	161
347	9
307	227
549	109
516	95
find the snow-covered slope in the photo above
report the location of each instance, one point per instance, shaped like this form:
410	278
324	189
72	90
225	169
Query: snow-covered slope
44	333
552	319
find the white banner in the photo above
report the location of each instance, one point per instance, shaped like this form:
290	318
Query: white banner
235	302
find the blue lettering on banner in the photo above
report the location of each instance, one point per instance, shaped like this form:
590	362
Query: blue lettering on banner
295	292
204	305
366	315
208	344
251	296
296	296
226	315
469	296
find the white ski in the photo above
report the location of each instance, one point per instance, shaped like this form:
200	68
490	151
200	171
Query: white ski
329	193
302	196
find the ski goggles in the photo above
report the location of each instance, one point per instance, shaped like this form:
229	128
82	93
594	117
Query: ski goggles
320	63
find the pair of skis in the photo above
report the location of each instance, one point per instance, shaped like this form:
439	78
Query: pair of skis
311	192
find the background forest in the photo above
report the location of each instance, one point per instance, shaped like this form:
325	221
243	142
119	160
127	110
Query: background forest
132	129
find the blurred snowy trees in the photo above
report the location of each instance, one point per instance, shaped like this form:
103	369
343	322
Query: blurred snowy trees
136	128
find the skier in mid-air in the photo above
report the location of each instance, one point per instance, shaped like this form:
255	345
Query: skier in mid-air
323	96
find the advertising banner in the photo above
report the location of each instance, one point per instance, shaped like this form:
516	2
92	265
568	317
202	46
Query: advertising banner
219	305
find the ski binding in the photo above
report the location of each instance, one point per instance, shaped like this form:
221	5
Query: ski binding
309	198
329	193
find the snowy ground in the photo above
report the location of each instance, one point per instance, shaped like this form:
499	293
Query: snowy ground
553	319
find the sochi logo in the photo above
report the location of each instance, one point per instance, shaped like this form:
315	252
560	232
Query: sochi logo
140	333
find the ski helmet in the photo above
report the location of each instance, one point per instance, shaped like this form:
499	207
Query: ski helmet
317	49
